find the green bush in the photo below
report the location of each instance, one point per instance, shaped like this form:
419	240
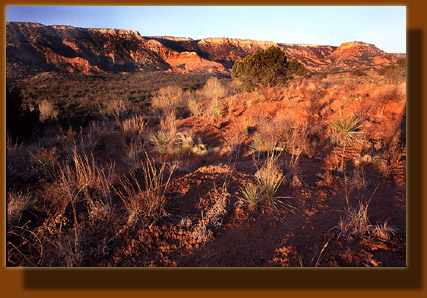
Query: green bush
263	68
295	68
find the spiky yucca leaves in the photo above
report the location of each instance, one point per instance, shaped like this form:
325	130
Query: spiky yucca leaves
269	178
346	132
251	196
162	141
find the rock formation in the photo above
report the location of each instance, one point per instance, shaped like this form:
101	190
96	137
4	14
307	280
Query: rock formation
33	48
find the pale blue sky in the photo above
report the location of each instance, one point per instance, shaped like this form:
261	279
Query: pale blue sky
384	26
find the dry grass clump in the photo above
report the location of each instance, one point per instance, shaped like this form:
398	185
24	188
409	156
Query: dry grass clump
168	140
17	203
201	233
164	138
82	179
144	200
263	143
383	231
45	162
356	224
80	185
134	126
269	178
134	150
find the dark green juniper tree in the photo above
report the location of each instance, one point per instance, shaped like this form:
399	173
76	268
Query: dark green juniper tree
264	68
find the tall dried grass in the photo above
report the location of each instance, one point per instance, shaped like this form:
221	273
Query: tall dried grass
144	200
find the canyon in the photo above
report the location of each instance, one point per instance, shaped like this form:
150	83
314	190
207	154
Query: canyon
33	48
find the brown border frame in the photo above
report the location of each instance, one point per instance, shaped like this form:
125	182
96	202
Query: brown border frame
250	282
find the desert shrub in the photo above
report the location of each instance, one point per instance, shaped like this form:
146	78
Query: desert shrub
116	108
263	68
214	89
48	111
395	73
192	99
213	111
21	118
168	99
268	134
385	95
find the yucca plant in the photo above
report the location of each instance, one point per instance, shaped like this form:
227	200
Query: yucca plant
269	178
346	132
251	196
162	141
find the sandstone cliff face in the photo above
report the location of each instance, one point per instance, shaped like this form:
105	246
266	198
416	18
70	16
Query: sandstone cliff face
67	48
351	55
35	47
